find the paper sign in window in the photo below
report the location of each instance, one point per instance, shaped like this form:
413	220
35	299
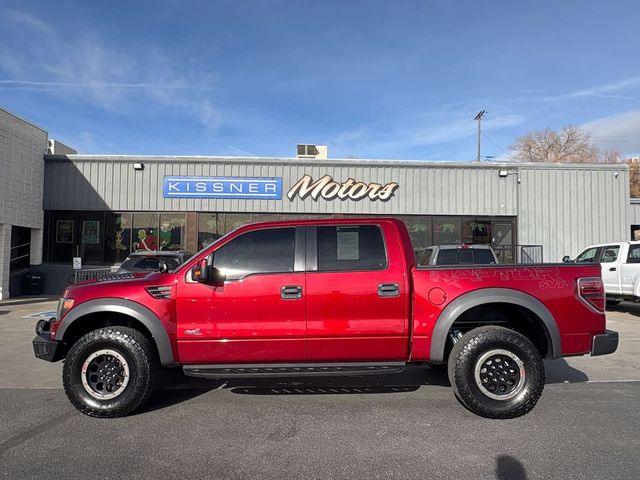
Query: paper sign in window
347	241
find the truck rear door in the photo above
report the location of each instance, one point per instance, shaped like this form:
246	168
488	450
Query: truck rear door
630	270
357	293
610	260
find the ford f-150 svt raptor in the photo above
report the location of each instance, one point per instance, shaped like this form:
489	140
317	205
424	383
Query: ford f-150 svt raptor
325	297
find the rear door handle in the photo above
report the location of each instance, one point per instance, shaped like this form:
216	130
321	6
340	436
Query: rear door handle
612	269
388	290
290	292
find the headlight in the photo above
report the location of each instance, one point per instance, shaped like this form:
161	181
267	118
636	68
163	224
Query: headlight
64	305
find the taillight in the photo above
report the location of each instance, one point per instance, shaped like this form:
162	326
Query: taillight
591	292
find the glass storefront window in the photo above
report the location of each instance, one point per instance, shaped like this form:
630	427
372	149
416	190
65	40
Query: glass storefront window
209	229
145	231
172	228
235	220
446	230
118	237
475	230
420	232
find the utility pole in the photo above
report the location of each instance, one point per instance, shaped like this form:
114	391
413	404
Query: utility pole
479	119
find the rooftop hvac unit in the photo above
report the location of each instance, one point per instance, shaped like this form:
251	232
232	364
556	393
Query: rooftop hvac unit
311	151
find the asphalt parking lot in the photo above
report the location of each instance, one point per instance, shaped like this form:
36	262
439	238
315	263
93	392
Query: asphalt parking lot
399	426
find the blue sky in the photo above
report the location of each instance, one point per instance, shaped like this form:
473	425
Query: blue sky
372	79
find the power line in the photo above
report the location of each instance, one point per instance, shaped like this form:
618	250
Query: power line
494	143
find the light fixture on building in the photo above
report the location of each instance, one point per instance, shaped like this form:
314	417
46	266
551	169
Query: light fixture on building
506	173
138	166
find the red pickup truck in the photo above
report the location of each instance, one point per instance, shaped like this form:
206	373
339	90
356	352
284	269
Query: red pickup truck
325	297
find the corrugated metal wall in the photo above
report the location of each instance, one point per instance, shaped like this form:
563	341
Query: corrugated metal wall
634	211
562	207
111	183
567	209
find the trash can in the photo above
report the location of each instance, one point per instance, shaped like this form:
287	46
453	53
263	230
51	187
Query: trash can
34	283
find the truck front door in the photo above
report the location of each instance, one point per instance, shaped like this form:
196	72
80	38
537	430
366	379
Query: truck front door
357	294
258	315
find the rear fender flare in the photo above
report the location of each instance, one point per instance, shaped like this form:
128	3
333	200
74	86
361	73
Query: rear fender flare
131	309
492	295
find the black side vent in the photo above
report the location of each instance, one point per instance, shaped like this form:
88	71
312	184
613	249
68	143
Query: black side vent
160	292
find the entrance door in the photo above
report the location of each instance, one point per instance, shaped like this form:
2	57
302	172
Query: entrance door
357	297
258	315
503	241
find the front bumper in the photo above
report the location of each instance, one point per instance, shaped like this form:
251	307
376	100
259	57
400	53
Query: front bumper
44	347
604	343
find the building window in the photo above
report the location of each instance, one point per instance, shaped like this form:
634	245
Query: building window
420	231
118	237
235	220
209	229
446	231
476	231
145	231
172	229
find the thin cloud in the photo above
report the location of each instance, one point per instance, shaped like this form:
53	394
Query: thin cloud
79	66
411	132
620	132
600	91
36	85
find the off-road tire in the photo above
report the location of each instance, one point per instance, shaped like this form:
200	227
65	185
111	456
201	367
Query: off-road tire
462	364
140	357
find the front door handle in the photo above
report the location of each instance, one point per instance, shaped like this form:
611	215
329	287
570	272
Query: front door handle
290	292
388	290
612	269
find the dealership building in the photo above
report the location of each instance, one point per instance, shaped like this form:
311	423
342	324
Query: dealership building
57	205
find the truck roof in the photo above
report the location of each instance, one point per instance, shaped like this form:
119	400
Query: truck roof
327	221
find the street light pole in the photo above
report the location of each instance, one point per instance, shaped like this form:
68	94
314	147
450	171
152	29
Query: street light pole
479	119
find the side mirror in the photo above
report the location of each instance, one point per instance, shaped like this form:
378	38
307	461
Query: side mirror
205	273
201	272
163	267
567	259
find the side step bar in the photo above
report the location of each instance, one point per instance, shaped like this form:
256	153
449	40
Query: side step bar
292	369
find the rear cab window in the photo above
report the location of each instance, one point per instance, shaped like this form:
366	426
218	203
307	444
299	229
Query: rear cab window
634	254
348	248
609	253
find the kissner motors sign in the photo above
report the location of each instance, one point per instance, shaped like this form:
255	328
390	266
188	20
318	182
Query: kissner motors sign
327	188
271	188
223	187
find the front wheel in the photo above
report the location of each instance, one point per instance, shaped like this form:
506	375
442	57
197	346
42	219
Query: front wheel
496	372
109	372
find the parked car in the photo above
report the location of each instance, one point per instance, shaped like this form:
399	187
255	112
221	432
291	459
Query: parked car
620	263
325	297
456	255
150	261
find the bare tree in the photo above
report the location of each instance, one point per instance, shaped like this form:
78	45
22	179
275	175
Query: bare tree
611	156
568	145
634	179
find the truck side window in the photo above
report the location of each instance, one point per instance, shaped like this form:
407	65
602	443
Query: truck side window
634	254
261	251
351	248
588	256
609	253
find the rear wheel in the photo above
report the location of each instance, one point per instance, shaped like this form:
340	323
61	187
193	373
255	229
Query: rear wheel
496	372
109	372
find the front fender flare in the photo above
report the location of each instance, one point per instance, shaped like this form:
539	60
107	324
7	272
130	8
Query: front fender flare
492	295
131	309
